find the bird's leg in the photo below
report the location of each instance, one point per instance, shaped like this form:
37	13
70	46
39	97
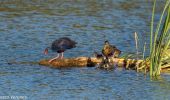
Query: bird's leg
62	55
54	58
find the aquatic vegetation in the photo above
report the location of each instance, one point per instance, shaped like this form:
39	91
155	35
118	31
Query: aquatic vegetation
159	39
159	57
136	42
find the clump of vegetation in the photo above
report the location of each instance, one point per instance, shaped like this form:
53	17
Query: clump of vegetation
159	57
159	39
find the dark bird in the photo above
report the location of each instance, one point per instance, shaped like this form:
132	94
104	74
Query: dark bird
110	50
60	45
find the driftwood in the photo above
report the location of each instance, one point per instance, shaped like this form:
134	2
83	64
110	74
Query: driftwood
133	64
90	62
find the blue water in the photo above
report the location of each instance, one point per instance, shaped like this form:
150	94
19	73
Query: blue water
27	27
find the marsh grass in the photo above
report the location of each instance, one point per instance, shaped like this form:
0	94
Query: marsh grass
159	40
136	43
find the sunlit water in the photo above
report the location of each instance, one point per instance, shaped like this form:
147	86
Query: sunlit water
28	26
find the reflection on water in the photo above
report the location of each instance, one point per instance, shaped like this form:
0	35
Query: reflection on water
28	26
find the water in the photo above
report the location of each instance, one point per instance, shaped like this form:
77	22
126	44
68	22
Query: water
28	26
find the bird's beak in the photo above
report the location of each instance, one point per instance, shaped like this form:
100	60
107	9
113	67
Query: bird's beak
46	51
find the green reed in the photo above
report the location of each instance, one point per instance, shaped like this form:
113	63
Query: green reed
159	40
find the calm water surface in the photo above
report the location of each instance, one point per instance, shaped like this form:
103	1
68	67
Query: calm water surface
28	26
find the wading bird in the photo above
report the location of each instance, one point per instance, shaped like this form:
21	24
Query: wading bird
60	45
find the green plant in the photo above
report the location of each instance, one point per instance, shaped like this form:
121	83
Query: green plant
159	40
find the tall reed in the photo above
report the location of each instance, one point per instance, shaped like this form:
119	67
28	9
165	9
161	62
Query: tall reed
159	40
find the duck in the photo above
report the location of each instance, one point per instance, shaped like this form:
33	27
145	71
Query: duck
105	61
116	53
110	50
105	64
60	46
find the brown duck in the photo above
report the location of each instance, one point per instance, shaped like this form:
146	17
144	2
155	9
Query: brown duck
110	50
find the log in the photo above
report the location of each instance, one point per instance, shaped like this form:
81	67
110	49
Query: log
70	62
90	62
131	64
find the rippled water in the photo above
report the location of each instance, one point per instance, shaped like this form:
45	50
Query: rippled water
28	26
